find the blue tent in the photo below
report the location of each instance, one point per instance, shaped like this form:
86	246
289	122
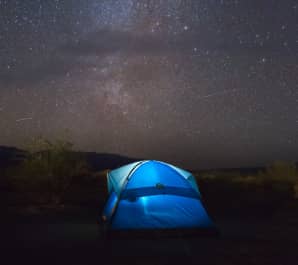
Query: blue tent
153	195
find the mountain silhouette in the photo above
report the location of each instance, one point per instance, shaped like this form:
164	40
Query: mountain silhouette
11	156
101	161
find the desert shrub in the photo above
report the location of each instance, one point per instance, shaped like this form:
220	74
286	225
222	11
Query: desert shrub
206	176
49	169
281	176
281	171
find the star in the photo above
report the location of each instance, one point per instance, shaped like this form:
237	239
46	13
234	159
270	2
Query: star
191	82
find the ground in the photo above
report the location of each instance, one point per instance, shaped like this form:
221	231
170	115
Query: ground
72	236
258	224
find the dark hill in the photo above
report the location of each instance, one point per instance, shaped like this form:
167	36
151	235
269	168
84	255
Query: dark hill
101	161
11	156
242	171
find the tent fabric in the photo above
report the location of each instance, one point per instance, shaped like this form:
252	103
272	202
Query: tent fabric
187	175
152	194
110	206
160	211
117	177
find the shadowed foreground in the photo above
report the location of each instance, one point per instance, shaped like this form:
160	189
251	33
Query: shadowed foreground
73	237
257	215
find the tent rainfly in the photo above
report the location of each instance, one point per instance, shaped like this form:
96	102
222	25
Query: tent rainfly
151	194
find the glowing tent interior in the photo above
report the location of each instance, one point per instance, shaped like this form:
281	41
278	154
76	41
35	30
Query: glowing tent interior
154	195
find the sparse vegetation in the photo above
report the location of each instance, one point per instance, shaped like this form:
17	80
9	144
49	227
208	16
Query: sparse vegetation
49	170
53	174
280	176
261	192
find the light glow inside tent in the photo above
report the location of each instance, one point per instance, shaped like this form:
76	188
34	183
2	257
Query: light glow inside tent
151	194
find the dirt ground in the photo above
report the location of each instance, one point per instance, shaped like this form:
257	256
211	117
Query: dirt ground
256	227
75	238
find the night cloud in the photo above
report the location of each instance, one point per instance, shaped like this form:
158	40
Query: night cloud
199	82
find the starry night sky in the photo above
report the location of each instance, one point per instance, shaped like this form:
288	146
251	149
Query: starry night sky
198	83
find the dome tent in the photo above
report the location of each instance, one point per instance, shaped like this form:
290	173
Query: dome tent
150	194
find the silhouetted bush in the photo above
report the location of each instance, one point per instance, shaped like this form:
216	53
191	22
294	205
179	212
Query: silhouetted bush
281	176
49	170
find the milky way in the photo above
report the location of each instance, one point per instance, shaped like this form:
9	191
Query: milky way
197	83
